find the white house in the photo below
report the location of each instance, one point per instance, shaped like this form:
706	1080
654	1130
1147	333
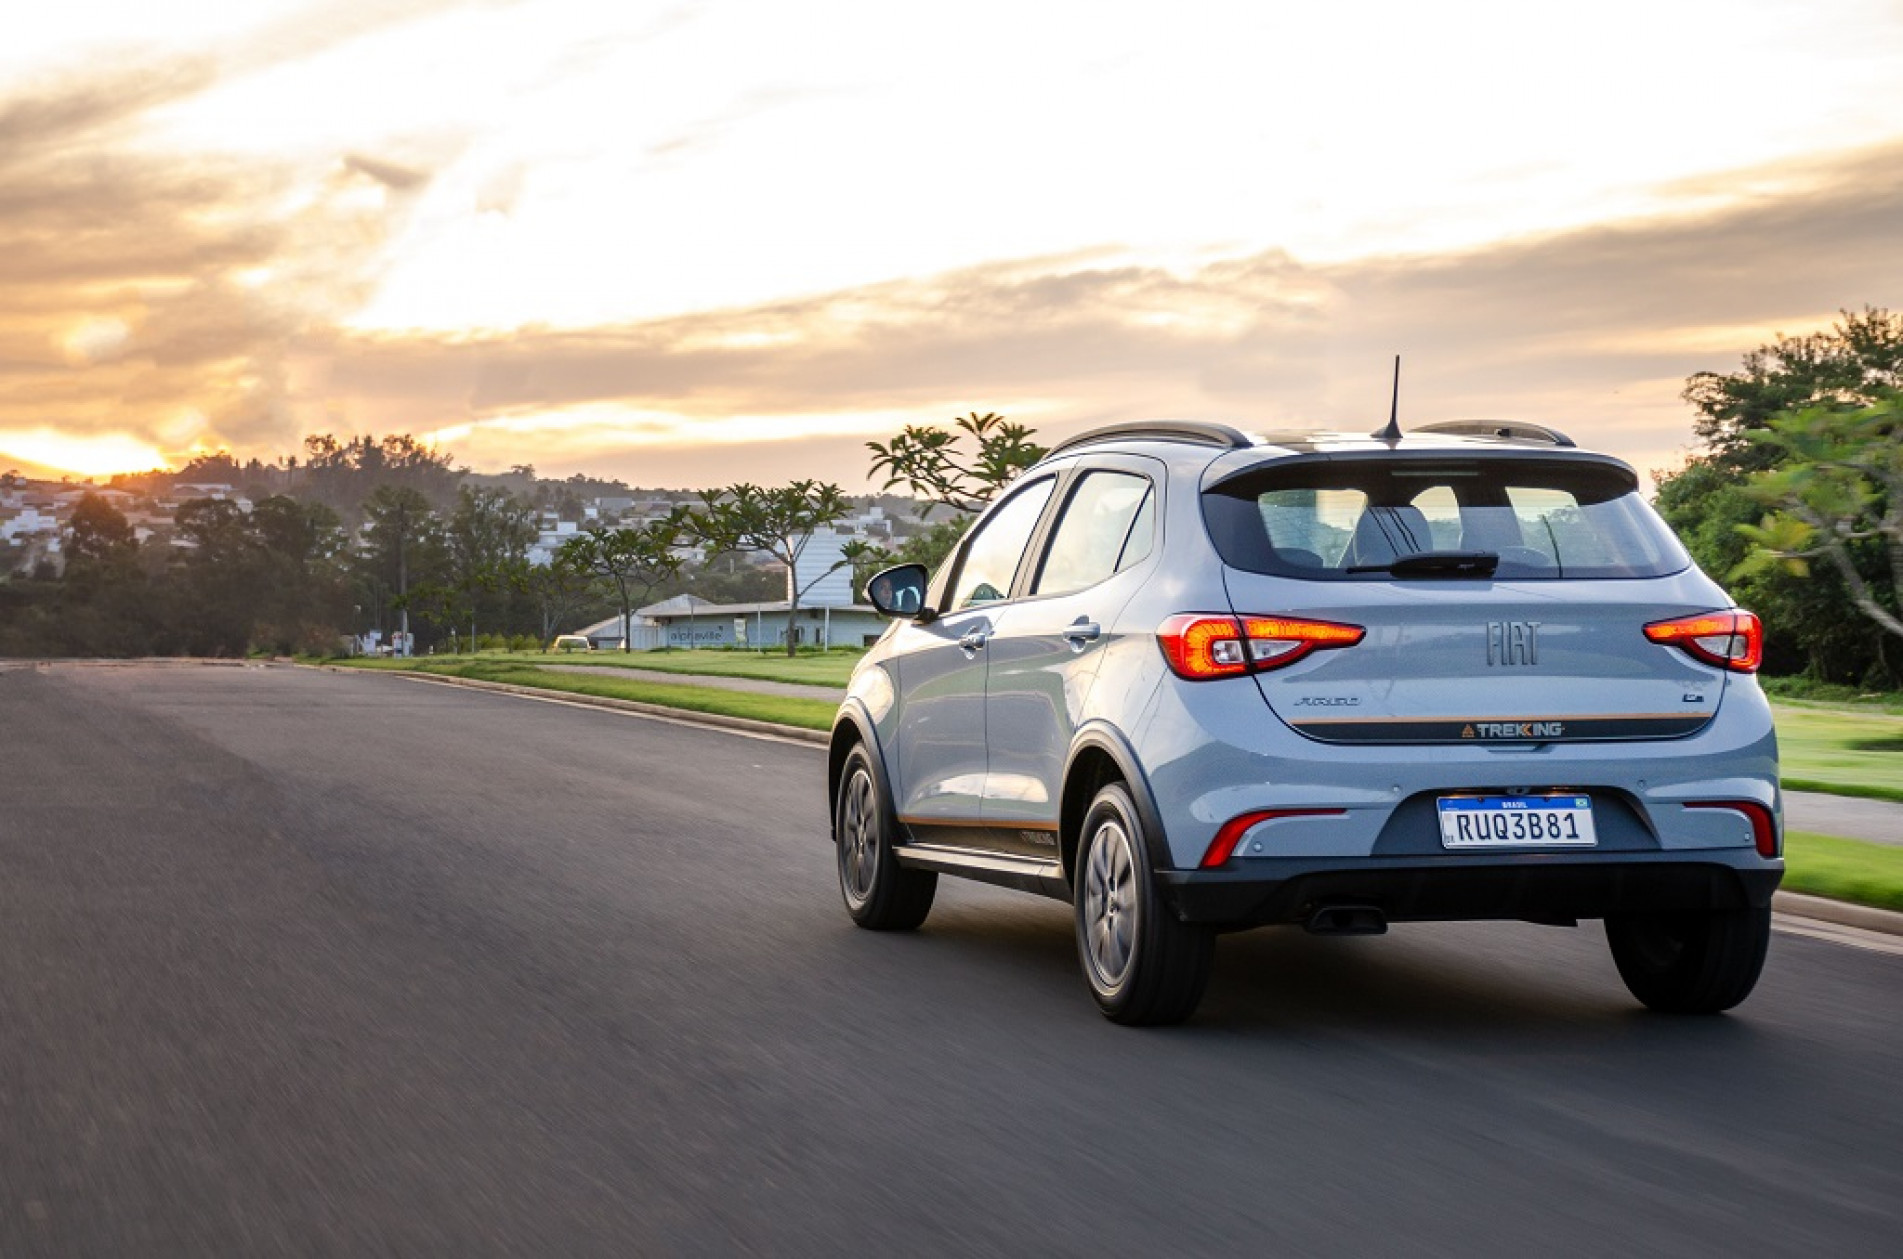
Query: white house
690	621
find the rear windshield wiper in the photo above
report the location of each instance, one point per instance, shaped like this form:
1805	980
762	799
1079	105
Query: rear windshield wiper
1436	564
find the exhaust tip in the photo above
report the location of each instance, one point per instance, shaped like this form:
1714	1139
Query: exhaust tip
1347	920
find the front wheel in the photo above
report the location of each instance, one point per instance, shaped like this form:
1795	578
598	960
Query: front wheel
881	894
1690	963
1143	965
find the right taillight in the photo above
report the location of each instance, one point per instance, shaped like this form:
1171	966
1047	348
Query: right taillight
1733	639
1201	646
1764	834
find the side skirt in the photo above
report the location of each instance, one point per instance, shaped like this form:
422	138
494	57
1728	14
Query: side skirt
1025	874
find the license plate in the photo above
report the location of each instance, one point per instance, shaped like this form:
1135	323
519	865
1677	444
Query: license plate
1516	822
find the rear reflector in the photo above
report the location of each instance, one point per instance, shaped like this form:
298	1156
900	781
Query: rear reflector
1223	846
1764	836
1732	639
1200	646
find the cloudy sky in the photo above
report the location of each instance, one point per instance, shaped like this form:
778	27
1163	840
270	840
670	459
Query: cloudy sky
686	244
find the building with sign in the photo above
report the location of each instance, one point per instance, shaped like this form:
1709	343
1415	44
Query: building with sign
690	621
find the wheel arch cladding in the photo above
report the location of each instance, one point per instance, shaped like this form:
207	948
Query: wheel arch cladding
1100	756
846	736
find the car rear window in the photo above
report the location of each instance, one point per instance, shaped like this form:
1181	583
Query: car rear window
1347	519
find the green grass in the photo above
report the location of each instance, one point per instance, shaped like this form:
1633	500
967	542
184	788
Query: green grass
809	714
831	668
1835	749
1843	869
1830	694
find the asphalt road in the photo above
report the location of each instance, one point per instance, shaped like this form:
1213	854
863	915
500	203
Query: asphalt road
314	963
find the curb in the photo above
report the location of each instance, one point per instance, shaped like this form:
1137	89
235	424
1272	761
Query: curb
1840	913
686	716
1793	904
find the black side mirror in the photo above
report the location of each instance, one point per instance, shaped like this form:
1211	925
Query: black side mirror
900	591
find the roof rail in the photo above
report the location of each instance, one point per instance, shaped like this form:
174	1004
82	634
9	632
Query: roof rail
1162	430
1505	430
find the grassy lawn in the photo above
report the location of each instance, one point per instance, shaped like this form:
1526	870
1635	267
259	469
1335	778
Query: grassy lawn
1843	869
1834	748
811	714
832	668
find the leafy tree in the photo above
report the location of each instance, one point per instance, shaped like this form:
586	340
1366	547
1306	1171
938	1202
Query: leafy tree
104	606
488	533
98	534
1812	623
344	474
633	559
401	541
935	463
220	576
1851	364
302	601
775	521
557	588
1836	481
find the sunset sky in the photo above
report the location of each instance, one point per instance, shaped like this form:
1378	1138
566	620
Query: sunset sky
691	244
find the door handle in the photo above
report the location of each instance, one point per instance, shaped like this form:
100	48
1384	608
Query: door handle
974	641
1083	632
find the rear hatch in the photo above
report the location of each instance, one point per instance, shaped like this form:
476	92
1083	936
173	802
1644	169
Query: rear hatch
1504	597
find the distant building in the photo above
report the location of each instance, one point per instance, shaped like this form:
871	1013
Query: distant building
825	547
689	621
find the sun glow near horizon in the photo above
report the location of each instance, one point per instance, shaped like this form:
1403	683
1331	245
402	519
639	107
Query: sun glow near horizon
89	455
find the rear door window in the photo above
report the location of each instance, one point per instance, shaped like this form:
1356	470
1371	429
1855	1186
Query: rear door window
1348	518
1095	536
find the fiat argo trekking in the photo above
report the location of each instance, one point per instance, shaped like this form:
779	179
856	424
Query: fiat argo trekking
1193	680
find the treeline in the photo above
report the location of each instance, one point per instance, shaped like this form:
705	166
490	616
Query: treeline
378	534
1793	499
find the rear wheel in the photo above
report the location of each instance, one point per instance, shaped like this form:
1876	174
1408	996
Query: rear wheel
1691	963
1143	966
881	895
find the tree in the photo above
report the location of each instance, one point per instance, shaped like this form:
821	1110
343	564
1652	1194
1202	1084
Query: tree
557	589
1836	480
778	522
105	605
633	559
489	531
301	601
345	474
1850	365
934	462
220	576
402	525
98	533
1812	623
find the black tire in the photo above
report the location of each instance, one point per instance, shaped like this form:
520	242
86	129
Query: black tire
1691	963
880	894
1144	967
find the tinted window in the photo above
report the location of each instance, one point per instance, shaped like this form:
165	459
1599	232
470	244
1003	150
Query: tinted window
1089	542
992	555
1545	518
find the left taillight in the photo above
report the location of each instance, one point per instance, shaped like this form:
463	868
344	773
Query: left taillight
1733	639
1200	646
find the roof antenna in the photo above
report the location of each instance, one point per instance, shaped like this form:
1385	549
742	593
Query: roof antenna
1392	433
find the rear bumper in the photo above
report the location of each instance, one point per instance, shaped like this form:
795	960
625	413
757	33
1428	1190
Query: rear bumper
1538	887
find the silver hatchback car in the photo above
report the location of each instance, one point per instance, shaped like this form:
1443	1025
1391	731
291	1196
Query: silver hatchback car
1194	680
